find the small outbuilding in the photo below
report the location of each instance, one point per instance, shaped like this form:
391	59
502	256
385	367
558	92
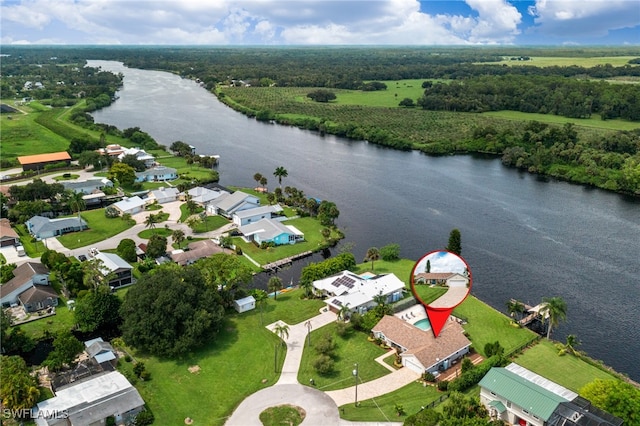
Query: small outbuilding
39	161
245	304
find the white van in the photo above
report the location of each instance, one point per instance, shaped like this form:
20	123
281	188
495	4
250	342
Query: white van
20	251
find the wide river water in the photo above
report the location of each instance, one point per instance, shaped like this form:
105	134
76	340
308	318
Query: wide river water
523	237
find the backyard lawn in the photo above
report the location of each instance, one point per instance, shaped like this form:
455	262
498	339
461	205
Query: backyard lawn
486	325
100	228
567	370
350	349
62	320
401	268
210	223
428	294
231	368
32	248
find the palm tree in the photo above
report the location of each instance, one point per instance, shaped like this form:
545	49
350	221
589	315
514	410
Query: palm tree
282	330
274	284
257	178
150	221
263	182
372	255
572	342
556	309
308	287
261	297
178	236
343	312
76	202
280	173
515	309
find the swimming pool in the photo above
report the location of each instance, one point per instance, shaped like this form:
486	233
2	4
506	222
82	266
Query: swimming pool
423	324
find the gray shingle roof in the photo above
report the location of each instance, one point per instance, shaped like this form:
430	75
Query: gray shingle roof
44	224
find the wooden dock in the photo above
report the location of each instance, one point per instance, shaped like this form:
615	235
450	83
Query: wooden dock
286	261
533	312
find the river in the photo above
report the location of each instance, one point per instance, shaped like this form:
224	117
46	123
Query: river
522	236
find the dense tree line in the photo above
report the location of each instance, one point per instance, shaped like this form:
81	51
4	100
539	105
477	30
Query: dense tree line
540	94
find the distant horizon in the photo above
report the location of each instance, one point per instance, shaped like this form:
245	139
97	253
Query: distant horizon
303	23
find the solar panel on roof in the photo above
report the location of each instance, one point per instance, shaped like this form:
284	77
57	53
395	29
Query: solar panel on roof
336	302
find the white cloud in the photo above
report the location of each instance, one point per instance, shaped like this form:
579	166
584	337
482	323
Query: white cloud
584	17
293	21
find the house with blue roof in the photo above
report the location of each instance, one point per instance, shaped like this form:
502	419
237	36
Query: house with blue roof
42	227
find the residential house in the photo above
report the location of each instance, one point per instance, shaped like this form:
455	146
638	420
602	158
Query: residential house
245	217
113	150
163	195
228	204
131	205
100	351
39	161
358	291
449	279
271	231
157	174
197	250
140	154
25	277
90	401
521	397
37	298
245	304
8	236
202	196
89	186
419	349
42	227
121	272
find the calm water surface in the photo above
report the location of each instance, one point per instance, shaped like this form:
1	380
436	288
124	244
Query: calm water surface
522	236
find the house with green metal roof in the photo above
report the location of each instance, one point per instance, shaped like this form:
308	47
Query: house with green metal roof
510	397
521	397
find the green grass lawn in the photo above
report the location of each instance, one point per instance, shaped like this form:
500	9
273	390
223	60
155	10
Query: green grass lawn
211	223
567	370
147	233
231	368
21	135
428	294
100	228
396	91
593	122
313	240
401	268
32	248
184	170
350	349
486	325
185	213
62	320
382	409
561	61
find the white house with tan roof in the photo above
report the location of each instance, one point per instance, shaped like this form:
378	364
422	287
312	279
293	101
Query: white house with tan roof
419	349
450	279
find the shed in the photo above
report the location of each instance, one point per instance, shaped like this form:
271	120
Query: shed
245	304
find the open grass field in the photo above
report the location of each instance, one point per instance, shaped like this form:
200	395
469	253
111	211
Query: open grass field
231	368
486	325
567	370
350	349
396	91
22	135
382	409
100	228
594	122
560	61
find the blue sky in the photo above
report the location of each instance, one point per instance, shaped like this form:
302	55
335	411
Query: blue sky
320	22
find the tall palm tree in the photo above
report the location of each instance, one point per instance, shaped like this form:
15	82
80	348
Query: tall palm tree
556	309
282	331
280	173
274	284
261	297
372	255
76	202
257	178
263	182
150	221
307	286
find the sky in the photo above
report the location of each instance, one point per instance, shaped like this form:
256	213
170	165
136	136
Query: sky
320	22
441	261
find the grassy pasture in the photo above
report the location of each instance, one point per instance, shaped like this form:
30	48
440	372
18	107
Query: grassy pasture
560	61
594	122
22	135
